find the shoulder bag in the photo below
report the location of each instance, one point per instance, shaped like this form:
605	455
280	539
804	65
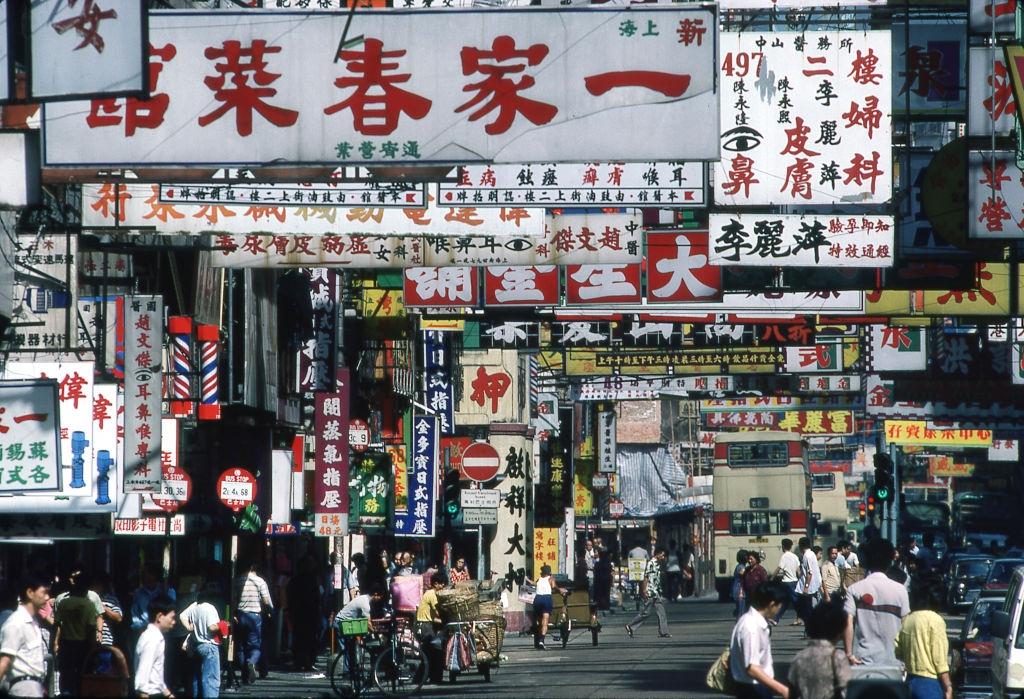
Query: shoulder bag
719	675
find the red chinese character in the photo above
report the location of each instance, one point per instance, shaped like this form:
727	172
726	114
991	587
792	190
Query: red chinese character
862	169
741	175
816	60
690	31
112	197
138	114
86	24
1000	101
796	140
862	69
99	409
925	69
501	92
241	96
994	179
668	84
896	338
70	388
798	178
870	116
993	213
492	386
377	114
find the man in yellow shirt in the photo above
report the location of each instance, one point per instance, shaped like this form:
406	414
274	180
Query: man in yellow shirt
429	627
923	646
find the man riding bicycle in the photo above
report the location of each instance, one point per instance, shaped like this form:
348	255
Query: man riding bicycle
358	608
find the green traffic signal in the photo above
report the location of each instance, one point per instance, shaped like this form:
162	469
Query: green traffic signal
883	493
452	507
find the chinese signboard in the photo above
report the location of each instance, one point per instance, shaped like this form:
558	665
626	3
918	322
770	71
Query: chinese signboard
917	432
679	269
897	348
369	484
996	195
579	185
806	118
317	357
932	69
803	421
141	206
812	240
443	287
990	103
515	86
150	526
490	387
418	520
332	193
330	494
629	388
47	284
985	13
606	442
545	549
29	433
143	377
829	384
440	392
521	286
91	47
947	468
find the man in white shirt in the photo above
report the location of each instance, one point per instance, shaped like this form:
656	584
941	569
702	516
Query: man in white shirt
787	572
22	651
875	608
149	653
203	624
808	585
750	648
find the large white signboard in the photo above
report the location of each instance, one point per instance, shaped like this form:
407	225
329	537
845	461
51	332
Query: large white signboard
45	291
568	240
794	240
529	85
140	206
28	437
995	195
87	47
577	185
638	388
337	193
806	118
143	377
990	103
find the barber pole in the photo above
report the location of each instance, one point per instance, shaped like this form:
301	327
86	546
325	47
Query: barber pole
209	347
180	330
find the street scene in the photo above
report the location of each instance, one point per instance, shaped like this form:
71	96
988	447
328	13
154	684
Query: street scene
554	348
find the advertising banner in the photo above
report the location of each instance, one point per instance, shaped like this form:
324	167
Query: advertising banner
810	422
338	192
897	348
423	86
991	108
630	388
29	434
679	269
47	284
564	185
918	433
821	101
931	63
440	392
143	387
331	467
418	520
536	285
795	240
995	193
317	358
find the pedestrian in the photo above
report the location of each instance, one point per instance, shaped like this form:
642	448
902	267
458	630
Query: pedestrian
750	647
113	614
304	611
673	573
203	644
149	651
77	619
603	577
543	605
849	555
429	626
253	597
808	584
650	594
22	650
923	646
737	582
787	572
688	570
831	580
459	572
875	608
404	564
590	555
753	575
821	670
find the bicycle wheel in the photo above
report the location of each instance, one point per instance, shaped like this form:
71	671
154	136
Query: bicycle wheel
400	670
350	682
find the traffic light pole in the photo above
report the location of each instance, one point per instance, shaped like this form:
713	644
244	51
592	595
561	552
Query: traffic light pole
894	516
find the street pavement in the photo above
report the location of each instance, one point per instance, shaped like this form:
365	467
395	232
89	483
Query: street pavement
645	666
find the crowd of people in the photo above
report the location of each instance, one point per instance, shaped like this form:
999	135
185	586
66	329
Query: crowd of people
878	609
69	633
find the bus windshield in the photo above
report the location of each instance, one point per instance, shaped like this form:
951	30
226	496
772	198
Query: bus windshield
758	455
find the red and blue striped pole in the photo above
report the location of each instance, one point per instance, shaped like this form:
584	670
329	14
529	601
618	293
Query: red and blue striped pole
180	330
209	348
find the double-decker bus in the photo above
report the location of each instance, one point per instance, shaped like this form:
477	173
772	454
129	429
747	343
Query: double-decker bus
828	503
762	495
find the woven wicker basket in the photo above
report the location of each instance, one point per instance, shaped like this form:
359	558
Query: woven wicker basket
458	605
489	639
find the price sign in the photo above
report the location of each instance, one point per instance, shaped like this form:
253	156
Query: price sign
328	524
236	488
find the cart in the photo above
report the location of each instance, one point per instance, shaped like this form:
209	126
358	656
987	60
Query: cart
576	613
485	638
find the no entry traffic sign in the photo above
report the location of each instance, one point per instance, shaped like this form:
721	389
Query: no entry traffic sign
480	462
236	488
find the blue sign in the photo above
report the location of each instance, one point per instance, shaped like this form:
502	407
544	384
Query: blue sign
437	366
418	520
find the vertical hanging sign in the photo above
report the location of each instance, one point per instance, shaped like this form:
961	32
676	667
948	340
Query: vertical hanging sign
143	377
606	445
436	365
330	489
316	358
418	520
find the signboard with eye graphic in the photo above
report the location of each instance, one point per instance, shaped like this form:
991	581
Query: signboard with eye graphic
805	119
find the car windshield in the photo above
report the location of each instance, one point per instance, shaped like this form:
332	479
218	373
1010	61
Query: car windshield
980	621
1002	571
974	569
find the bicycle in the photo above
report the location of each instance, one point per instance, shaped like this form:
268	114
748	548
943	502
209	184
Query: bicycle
393	662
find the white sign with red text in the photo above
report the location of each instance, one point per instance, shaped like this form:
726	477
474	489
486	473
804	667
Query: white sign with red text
143	385
806	118
524	85
995	195
990	103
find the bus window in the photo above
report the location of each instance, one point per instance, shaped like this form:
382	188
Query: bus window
758	455
823	481
758	523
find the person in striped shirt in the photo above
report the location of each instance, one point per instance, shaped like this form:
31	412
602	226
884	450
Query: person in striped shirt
253	597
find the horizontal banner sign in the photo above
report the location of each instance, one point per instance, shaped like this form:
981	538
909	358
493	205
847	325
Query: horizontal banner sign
423	86
917	432
818	422
340	193
627	388
793	240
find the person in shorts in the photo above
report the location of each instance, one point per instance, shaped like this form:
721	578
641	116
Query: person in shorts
543	605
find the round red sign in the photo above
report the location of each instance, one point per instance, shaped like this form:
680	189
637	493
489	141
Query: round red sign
358	435
480	462
236	488
175	490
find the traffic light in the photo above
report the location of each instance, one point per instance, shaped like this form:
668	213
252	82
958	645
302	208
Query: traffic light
863	512
871	504
885	484
452	500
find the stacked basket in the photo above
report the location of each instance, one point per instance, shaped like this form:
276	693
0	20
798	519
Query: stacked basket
460	604
489	636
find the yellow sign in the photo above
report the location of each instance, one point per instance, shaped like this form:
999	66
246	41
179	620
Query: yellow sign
451	325
545	549
381	303
989	297
947	468
583	496
917	432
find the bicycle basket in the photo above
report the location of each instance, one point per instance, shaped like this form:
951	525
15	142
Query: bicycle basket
354	627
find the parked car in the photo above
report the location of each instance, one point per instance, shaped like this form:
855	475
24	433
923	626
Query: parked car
971	651
999	575
1008	647
964	581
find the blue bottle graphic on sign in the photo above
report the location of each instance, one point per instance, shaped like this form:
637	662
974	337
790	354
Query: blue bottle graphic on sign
103	465
78	445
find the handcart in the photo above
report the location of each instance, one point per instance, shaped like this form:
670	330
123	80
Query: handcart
577	613
481	641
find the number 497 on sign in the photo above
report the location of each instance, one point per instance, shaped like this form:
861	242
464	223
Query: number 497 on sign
738	63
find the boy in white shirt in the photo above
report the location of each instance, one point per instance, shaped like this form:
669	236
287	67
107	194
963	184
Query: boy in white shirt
149	652
750	648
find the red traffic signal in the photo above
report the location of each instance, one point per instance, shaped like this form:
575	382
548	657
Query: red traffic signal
863	512
871	503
